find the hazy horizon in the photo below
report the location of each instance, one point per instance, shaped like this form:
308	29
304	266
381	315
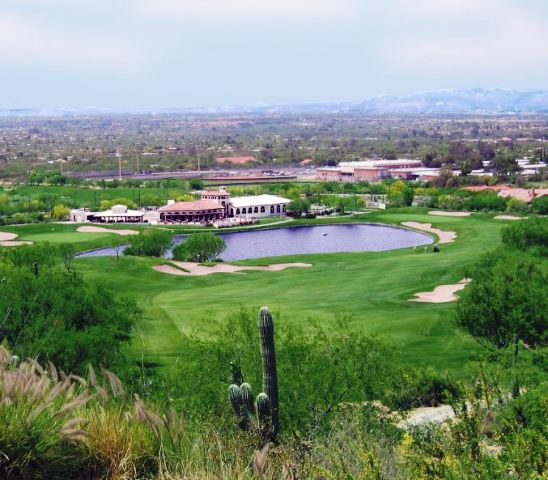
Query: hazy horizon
160	54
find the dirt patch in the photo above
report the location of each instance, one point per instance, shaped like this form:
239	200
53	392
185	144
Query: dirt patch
5	236
194	269
444	236
442	293
14	243
441	213
426	415
90	229
507	217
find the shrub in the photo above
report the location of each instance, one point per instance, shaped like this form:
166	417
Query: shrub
51	314
485	201
507	297
450	202
529	233
516	206
540	205
420	388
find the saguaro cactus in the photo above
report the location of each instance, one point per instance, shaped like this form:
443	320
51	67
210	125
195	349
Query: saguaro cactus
241	396
268	356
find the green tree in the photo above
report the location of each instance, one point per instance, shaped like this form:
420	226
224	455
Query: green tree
200	247
505	164
196	184
60	212
507	297
298	207
151	243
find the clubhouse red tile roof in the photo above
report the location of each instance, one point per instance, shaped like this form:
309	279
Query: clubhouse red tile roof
194	206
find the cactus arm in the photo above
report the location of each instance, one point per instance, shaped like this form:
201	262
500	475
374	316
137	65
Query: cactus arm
248	408
264	416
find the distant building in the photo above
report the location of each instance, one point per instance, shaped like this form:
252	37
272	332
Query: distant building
365	171
235	160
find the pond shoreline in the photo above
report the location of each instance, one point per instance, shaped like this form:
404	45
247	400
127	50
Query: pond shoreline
298	240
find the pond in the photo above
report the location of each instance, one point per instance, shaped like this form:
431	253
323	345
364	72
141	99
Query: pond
306	240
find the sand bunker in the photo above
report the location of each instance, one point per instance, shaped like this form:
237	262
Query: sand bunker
7	239
14	243
4	236
442	293
200	270
440	213
90	229
507	217
444	236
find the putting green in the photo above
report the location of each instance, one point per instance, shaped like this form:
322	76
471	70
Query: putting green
370	291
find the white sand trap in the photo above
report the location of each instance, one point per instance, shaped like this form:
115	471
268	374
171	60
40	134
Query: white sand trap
5	236
441	213
90	229
195	269
14	243
444	236
507	217
442	293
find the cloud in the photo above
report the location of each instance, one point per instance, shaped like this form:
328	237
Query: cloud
510	37
235	10
27	42
438	9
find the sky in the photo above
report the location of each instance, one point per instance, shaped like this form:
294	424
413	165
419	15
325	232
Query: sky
153	54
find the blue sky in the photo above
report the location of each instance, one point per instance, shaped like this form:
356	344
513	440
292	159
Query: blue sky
147	54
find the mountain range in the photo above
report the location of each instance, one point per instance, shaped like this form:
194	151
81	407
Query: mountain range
457	101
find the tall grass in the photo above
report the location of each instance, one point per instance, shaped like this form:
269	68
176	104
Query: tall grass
54	425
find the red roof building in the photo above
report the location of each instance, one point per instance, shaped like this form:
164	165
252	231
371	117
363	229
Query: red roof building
194	211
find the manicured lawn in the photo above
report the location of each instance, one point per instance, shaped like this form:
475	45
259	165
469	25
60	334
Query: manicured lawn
370	291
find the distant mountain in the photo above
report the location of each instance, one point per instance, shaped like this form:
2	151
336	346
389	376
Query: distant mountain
458	101
465	101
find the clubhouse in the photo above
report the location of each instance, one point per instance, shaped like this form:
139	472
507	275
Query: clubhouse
214	205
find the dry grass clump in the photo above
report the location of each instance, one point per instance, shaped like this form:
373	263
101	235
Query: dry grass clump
58	426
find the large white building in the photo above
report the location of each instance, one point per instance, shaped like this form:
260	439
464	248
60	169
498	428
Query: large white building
257	206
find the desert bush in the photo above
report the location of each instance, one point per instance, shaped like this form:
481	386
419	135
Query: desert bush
540	205
50	314
529	233
421	388
516	206
485	201
507	297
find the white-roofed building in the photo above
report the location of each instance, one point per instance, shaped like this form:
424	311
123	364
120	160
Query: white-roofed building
257	206
116	214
